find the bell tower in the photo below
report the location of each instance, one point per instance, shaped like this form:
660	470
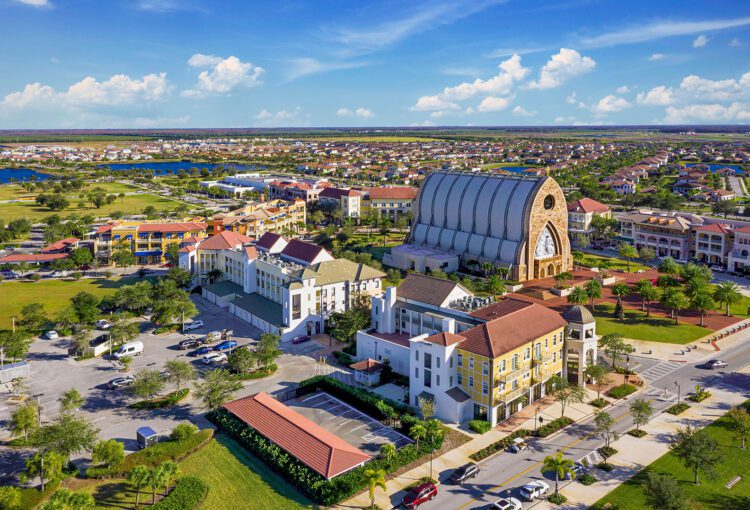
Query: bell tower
580	343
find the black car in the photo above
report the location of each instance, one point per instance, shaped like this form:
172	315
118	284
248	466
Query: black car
716	364
190	343
465	472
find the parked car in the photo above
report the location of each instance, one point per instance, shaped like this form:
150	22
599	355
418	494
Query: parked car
225	345
214	357
716	269
507	504
103	324
579	469
301	339
716	364
129	349
534	490
193	325
519	445
465	472
419	494
200	351
59	274
190	343
121	382
51	335
213	336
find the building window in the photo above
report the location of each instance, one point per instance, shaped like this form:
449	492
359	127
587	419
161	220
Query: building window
460	379
471	363
485	368
427	360
501	366
514	362
437	361
450	362
471	381
526	354
460	360
437	380
450	381
485	388
416	372
416	355
296	306
427	378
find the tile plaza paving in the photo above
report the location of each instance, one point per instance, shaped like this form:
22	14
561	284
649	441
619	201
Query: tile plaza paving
351	425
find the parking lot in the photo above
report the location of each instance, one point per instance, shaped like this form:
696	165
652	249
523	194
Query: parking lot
351	425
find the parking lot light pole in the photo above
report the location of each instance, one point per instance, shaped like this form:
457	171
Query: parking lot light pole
678	392
536	414
432	452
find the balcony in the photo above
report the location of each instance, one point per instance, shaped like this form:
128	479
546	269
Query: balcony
513	374
511	395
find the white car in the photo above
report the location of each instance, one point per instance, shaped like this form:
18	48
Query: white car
716	269
214	357
51	335
507	504
193	325
103	324
534	490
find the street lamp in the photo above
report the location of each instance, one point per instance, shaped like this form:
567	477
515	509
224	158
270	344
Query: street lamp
432	452
536	413
678	391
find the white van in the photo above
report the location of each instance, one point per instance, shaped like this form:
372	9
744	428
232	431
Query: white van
129	349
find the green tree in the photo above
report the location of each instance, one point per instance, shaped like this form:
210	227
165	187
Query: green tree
217	388
703	302
123	330
641	411
134	298
178	309
241	360
620	290
694	286
66	319
593	291
70	401
47	465
169	471
495	285
628	252
67	434
24	420
181	371
663	492
110	453
33	317
648	293
267	349
417	432
600	375
676	301
86	306
566	393
344	325
559	465
374	478
738	421
697	450
138	478
727	293
148	383
615	347
10	497
578	296
668	266
435	432
646	253
388	452
604	425
81	257
155	481
181	277
123	257
214	275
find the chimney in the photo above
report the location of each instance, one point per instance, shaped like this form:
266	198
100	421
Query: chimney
449	325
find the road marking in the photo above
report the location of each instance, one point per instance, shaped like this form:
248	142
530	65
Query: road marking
660	370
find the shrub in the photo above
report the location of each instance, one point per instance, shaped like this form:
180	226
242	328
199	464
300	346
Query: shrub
161	402
607	451
622	390
557	498
700	394
553	426
480	426
344	358
586	479
155	455
637	433
500	445
605	466
188	493
599	402
183	432
678	408
255	374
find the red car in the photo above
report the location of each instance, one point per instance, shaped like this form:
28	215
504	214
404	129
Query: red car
301	339
420	494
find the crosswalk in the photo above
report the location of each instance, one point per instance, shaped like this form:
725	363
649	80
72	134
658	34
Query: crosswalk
592	459
659	370
661	394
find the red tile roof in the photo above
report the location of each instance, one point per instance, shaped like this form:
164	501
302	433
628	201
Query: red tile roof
224	240
301	250
445	339
267	240
60	245
32	257
104	228
719	228
317	448
368	366
338	193
395	193
587	205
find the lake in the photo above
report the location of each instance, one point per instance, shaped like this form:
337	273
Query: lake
515	169
715	166
173	167
22	174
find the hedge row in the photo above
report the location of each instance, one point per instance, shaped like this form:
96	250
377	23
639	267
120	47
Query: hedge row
553	426
309	482
367	402
159	403
500	445
188	493
480	426
154	455
622	390
256	374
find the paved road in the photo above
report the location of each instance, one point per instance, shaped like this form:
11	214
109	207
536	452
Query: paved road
507	471
736	185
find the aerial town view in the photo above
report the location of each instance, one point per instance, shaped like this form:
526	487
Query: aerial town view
446	254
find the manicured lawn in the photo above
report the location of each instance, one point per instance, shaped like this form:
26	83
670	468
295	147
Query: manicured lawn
710	494
53	294
637	326
591	260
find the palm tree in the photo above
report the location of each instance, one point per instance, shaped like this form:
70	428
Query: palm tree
647	292
138	477
418	431
561	466
578	296
727	293
669	266
375	478
675	300
694	285
214	274
620	290
495	285
593	290
628	252
487	268
388	451
169	470
154	481
703	302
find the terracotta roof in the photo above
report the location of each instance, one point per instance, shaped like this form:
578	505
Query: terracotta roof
427	289
715	227
317	448
512	330
60	245
587	205
338	193
171	227
500	308
301	250
396	193
104	228
369	366
267	240
33	257
224	240
445	339
251	252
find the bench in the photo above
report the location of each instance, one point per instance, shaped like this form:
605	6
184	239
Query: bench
733	482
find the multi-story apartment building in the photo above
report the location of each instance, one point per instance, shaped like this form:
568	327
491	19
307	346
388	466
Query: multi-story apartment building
712	243
284	287
667	234
475	359
348	201
392	201
148	241
739	256
307	190
580	214
256	218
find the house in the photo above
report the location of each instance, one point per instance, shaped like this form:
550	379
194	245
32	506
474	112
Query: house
391	201
367	372
580	214
722	195
348	201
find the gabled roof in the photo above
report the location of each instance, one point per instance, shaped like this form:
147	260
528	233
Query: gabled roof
171	227
719	228
343	270
60	245
587	205
445	339
224	240
368	366
301	250
268	240
395	193
317	448
427	289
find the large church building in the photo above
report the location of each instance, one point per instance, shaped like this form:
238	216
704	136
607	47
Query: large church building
514	221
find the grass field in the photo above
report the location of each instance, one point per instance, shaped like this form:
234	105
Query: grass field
637	326
53	294
594	261
710	494
236	480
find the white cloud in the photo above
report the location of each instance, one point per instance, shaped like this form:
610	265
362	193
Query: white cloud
735	43
564	120
657	96
433	103
649	32
223	76
118	90
562	66
494	104
363	113
520	111
719	90
610	104
35	3
572	98
282	118
714	113
305	66
700	41
624	89
161	122
655	57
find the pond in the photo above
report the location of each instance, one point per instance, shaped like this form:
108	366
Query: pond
22	174
715	166
173	167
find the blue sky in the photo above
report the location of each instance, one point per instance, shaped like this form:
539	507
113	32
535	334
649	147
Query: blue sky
193	63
